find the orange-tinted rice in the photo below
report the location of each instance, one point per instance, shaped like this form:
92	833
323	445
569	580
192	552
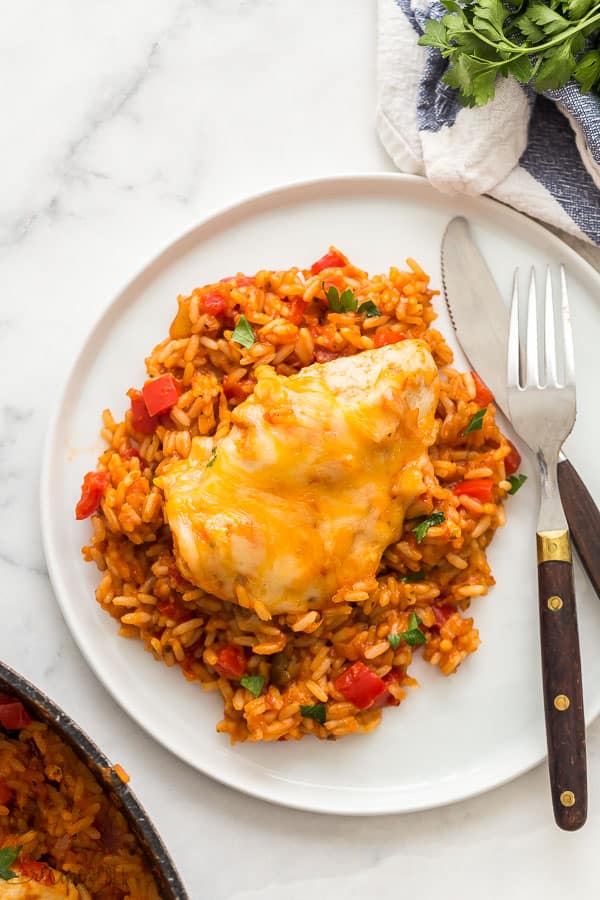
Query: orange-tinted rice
299	656
55	811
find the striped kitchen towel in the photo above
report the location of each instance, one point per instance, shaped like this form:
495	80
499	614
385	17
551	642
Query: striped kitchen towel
537	153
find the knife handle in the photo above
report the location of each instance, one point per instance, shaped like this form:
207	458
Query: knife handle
563	696
583	517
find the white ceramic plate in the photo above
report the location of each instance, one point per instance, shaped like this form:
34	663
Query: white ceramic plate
456	736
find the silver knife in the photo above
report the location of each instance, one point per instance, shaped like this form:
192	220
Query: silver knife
480	320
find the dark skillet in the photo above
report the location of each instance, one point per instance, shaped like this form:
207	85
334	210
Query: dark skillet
40	707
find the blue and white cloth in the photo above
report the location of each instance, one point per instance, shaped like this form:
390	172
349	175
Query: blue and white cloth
539	154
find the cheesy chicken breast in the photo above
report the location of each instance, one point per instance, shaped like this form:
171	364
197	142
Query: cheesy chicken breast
311	484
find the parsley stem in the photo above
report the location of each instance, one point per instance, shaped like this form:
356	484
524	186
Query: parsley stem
592	17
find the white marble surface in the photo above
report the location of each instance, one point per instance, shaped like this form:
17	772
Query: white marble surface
123	122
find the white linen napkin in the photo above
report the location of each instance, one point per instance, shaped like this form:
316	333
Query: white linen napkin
537	153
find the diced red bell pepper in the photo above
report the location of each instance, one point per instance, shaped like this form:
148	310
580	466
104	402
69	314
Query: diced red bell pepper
442	614
170	610
161	394
478	488
359	685
483	395
295	310
394	676
213	304
512	462
331	260
6	794
92	489
131	453
231	661
37	871
387	336
141	420
13	714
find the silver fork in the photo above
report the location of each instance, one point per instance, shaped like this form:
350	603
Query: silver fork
542	408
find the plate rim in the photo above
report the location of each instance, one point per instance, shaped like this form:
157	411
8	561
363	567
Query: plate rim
290	190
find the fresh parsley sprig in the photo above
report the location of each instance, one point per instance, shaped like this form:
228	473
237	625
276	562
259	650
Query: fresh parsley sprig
516	482
413	577
242	333
8	855
413	635
420	530
347	302
317	711
543	43
253	683
476	423
369	309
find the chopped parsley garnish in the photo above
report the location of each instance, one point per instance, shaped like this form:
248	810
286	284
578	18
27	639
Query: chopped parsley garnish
413	636
412	577
476	423
253	683
317	712
346	303
243	333
516	482
7	857
213	456
420	530
369	309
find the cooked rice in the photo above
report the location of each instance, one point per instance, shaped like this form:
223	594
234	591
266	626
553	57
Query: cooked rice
59	815
300	656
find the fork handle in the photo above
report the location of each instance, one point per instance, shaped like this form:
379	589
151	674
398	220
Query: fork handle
583	517
561	675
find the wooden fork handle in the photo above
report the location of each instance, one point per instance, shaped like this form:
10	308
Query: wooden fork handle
561	675
583	517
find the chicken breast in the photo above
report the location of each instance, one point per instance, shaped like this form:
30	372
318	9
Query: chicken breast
311	484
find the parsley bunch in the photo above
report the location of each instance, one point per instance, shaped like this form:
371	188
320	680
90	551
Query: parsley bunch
542	43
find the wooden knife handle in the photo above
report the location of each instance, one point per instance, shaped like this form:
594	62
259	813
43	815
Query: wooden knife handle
583	517
563	696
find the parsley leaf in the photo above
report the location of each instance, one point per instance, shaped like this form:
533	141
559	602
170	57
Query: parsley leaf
369	309
412	577
537	42
516	482
212	459
318	712
243	333
253	683
7	857
346	303
476	423
420	530
587	72
413	636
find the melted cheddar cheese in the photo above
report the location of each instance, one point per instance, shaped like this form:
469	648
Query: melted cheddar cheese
311	484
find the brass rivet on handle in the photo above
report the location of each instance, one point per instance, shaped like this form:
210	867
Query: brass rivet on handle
567	798
561	702
554	603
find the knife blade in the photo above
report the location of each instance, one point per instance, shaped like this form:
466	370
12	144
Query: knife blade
480	320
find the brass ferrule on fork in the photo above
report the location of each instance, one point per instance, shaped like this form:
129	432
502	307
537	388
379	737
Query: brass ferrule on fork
553	545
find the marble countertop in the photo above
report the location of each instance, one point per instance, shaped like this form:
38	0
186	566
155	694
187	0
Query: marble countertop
124	122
